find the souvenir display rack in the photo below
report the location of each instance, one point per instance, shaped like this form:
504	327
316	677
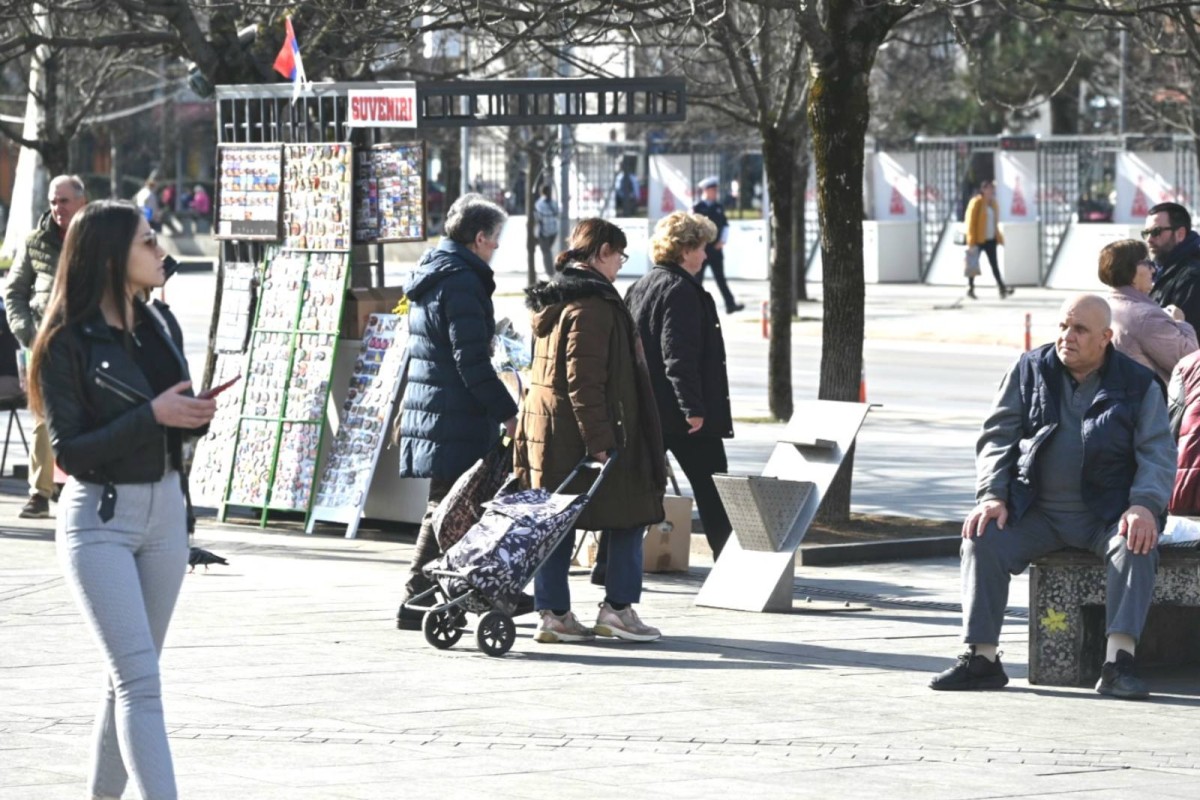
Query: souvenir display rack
389	193
286	386
317	186
365	424
248	191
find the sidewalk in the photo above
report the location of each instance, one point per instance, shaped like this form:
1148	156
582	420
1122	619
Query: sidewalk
286	678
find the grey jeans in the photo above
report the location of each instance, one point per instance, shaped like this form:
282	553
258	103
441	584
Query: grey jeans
990	560
125	575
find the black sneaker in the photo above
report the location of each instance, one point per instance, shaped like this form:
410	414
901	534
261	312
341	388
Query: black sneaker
736	307
1119	679
37	507
971	672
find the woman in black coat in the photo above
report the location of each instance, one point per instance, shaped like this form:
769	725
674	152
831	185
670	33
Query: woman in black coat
685	352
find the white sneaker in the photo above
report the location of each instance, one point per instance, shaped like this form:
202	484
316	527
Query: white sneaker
566	628
624	625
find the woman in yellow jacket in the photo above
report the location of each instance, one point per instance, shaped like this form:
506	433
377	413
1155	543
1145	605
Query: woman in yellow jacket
983	234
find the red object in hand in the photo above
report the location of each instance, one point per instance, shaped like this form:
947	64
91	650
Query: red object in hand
211	393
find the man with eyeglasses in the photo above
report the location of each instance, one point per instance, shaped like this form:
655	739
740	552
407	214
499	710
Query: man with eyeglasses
26	296
1176	251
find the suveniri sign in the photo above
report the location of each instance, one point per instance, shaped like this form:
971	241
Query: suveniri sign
382	108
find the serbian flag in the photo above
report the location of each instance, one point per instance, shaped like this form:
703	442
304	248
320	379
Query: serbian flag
288	63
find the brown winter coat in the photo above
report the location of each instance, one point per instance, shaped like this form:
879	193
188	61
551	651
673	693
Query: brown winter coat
590	392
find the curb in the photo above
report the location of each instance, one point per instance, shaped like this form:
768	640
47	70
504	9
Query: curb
831	555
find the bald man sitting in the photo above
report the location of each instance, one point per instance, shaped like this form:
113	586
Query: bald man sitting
1076	452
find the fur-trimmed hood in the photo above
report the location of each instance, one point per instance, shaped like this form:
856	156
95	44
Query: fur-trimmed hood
547	299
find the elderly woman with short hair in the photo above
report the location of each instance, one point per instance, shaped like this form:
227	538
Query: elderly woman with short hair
685	353
1153	336
454	403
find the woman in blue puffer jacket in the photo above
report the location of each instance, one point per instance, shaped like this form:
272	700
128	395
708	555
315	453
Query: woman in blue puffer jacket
454	403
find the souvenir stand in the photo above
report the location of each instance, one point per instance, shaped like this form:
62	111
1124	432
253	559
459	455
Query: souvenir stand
309	191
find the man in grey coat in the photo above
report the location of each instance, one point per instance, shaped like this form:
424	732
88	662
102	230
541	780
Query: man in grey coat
26	296
1076	452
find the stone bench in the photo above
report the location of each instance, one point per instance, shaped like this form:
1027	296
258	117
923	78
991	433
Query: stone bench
1066	616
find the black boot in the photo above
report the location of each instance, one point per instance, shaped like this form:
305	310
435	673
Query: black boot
426	550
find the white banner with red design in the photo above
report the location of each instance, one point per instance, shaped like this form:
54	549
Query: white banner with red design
894	186
1017	185
1143	181
670	186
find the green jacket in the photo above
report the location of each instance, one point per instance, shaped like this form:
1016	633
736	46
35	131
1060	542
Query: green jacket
31	280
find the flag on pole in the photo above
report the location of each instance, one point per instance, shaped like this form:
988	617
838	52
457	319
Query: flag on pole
288	63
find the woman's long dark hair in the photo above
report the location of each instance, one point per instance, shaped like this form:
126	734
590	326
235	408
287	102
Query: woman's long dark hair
93	264
586	240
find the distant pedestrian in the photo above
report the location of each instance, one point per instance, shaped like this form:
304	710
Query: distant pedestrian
454	404
984	236
1176	251
590	394
147	200
714	253
109	375
545	212
685	354
1142	330
26	297
201	203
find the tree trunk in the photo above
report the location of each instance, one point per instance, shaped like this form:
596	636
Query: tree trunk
799	243
779	159
838	112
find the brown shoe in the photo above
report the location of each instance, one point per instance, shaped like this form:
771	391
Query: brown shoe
37	507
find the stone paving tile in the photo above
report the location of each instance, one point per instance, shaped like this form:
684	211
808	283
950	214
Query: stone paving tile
285	676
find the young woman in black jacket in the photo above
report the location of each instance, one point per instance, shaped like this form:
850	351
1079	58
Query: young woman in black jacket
109	377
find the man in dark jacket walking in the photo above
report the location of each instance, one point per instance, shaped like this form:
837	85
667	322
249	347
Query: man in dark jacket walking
454	403
1176	251
714	253
685	355
25	299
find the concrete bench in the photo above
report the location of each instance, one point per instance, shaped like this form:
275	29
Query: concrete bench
1066	616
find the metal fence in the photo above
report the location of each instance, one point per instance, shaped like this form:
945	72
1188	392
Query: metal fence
1076	180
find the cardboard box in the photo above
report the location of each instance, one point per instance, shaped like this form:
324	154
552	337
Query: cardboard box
362	303
668	544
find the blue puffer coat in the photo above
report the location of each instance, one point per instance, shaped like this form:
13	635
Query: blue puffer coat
454	403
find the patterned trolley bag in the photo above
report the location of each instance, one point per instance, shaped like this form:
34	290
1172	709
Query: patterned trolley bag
463	505
500	554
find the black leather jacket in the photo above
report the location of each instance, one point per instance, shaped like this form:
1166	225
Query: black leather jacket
97	403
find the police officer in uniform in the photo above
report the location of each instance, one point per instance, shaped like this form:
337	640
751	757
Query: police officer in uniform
715	252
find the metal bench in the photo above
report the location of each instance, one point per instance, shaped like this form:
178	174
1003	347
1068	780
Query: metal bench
1066	615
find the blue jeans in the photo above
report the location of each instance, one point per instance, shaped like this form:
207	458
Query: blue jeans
126	574
622	581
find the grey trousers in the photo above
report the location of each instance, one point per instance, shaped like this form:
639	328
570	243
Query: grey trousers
126	574
988	562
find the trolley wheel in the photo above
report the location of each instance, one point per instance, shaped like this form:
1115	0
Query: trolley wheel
441	628
496	633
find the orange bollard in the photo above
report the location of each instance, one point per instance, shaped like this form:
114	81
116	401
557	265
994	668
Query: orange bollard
766	321
862	384
1028	332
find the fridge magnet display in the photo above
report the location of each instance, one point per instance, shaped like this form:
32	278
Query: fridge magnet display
317	182
389	193
237	305
286	386
214	451
248	191
346	478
